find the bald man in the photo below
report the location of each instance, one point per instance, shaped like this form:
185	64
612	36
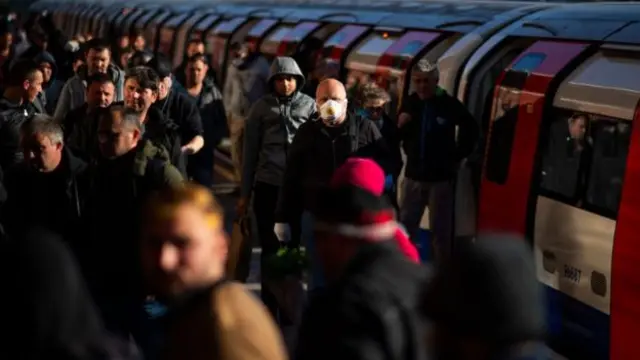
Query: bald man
318	149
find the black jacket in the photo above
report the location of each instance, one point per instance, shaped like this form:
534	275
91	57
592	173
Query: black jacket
50	200
316	152
370	313
429	139
12	116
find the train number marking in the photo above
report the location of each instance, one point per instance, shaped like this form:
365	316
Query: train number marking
572	273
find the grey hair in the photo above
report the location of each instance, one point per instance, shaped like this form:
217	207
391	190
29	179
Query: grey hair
45	125
424	66
130	117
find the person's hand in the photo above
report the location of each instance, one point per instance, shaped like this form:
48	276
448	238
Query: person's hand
282	231
187	150
241	207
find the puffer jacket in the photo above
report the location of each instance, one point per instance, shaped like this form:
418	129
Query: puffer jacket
271	127
73	91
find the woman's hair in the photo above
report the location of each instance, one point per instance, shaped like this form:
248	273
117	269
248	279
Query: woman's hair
163	204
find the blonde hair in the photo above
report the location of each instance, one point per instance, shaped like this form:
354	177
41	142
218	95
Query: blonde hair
163	204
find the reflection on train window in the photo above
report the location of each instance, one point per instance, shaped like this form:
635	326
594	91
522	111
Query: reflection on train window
502	134
529	62
583	161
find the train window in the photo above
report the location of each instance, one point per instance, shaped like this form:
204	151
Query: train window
502	133
583	161
529	62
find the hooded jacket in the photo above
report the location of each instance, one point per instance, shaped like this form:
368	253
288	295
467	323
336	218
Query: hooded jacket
73	92
246	83
271	126
51	90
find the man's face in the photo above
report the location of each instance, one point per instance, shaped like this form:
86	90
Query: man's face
100	94
114	137
195	48
136	97
332	90
139	43
40	153
33	86
578	128
424	84
98	61
183	252
285	85
374	109
123	42
47	71
196	72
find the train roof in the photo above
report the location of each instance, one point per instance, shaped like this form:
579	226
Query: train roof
610	22
613	22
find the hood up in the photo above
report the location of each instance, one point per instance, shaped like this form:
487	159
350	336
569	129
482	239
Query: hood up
286	66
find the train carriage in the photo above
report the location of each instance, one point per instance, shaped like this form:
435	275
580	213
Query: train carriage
533	74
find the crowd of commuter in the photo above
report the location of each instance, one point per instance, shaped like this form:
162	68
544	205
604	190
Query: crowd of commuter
114	246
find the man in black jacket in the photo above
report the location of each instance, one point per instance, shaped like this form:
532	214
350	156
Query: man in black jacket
317	150
140	93
208	99
428	120
22	86
47	189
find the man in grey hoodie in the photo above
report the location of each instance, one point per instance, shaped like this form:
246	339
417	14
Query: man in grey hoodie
270	128
98	57
246	83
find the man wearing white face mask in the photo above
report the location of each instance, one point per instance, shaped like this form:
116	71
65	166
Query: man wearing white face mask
318	149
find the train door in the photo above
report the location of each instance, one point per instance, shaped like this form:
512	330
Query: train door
151	32
292	39
218	41
586	204
130	23
179	40
270	45
197	32
340	43
362	61
167	33
252	32
141	23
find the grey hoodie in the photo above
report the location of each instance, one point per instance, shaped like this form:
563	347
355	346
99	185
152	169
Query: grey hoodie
246	83
74	90
272	123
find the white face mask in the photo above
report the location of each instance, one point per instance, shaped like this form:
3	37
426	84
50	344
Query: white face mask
331	111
